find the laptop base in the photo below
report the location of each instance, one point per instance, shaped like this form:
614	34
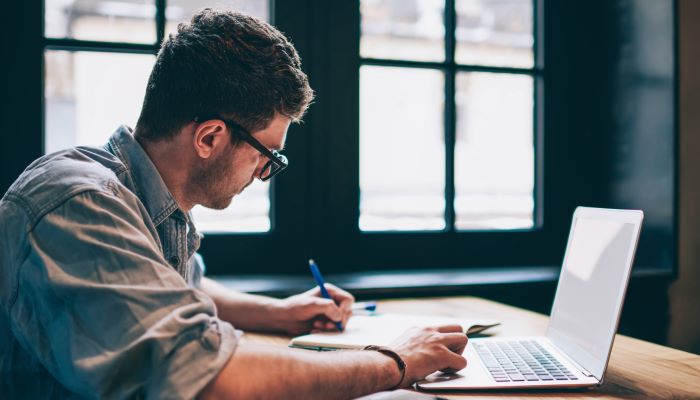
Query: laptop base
476	375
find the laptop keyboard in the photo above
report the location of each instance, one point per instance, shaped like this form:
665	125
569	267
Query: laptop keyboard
521	361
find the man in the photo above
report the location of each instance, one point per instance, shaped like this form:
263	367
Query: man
102	295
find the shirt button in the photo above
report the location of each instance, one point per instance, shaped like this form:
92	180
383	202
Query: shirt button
174	260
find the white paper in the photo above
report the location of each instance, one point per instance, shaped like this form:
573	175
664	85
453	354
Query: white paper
379	330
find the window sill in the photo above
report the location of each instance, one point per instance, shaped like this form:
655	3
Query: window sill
407	283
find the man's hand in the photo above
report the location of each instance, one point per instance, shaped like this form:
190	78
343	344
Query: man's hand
426	350
309	312
256	371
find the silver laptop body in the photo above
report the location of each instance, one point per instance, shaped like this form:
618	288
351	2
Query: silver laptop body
584	318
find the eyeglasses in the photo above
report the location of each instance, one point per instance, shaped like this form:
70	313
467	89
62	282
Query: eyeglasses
277	162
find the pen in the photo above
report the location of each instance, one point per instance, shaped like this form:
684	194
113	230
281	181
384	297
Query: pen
321	284
364	306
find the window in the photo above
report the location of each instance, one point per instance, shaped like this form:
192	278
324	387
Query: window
488	172
97	57
446	115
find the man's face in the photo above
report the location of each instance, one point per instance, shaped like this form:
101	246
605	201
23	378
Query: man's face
221	178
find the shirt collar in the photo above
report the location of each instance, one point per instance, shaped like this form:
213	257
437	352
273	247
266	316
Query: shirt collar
146	180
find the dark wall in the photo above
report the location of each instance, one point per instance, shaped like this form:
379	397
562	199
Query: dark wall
615	73
21	93
684	330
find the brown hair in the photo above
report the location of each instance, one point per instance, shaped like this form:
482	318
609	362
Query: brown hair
225	64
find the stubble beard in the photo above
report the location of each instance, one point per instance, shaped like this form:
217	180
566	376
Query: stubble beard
208	182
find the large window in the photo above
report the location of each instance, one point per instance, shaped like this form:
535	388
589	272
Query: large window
439	139
447	102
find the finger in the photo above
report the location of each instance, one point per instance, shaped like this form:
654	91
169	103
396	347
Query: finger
346	303
338	294
318	324
346	316
450	328
454	362
323	307
460	349
454	341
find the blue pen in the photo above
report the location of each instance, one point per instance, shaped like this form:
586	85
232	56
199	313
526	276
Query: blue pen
321	284
370	306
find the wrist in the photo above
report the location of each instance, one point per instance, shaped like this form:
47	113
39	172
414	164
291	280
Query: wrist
275	311
398	366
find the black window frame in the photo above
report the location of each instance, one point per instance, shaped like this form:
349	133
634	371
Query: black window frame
322	219
329	230
315	203
450	69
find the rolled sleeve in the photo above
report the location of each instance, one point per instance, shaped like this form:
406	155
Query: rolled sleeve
100	309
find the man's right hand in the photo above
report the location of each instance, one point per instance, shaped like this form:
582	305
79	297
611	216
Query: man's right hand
426	350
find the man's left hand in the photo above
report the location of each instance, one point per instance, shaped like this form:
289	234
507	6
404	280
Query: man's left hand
309	312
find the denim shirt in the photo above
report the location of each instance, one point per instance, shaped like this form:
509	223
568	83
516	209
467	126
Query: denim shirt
98	282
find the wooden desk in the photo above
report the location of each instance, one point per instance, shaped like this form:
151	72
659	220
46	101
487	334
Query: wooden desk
637	369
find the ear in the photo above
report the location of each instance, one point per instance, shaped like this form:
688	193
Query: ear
210	137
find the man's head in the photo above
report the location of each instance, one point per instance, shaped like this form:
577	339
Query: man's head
229	66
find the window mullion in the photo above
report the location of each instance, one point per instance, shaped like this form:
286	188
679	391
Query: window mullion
450	114
160	21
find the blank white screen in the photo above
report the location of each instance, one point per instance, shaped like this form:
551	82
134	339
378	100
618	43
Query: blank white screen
589	296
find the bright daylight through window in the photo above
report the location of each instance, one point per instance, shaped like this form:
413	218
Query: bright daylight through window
414	75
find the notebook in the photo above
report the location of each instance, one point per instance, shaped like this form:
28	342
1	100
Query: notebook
381	330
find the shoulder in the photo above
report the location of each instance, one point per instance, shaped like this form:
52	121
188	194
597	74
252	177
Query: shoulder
53	179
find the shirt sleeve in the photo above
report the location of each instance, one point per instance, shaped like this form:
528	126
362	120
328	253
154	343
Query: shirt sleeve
104	313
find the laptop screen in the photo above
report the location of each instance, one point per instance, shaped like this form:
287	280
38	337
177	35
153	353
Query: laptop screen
592	285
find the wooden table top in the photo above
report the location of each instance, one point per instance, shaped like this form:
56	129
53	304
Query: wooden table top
637	369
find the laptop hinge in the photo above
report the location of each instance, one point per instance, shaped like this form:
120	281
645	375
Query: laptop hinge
571	360
580	368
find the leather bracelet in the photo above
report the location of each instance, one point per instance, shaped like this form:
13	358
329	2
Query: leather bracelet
395	356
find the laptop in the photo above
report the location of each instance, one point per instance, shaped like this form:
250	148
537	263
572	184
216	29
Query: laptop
584	318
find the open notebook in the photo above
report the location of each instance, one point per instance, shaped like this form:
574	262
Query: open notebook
380	330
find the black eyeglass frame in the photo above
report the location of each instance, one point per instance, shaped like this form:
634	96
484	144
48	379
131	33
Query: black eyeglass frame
277	162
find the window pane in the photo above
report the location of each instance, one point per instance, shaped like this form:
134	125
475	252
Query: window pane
495	32
494	153
88	95
400	29
131	21
182	10
249	212
402	151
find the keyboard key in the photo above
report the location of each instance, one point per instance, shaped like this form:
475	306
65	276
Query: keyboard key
520	361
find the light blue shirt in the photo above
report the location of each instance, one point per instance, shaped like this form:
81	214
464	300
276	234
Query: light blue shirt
98	282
